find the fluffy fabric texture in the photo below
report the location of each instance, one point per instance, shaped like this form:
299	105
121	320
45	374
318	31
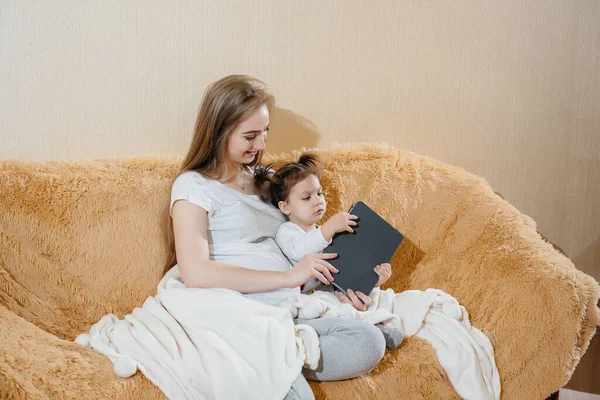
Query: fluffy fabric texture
81	239
463	351
207	344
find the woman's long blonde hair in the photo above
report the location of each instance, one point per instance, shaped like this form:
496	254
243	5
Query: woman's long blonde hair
225	104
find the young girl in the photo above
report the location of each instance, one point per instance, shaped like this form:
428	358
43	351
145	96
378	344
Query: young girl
295	189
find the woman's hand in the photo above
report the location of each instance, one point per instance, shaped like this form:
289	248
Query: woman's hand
312	266
385	273
358	300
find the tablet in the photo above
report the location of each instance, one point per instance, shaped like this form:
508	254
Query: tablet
373	242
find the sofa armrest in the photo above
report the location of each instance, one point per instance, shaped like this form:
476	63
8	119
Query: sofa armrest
538	310
37	364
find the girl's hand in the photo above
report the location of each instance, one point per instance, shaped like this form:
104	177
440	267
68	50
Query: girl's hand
311	266
342	222
358	300
384	271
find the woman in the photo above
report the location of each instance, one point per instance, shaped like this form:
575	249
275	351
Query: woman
223	233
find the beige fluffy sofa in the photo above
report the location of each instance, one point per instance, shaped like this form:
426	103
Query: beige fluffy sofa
80	239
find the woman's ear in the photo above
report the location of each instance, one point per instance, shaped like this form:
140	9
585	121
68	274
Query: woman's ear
283	207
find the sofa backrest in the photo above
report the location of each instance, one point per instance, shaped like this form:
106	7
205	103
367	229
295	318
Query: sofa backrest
80	239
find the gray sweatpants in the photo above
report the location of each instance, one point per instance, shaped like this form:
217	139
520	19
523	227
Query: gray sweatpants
349	348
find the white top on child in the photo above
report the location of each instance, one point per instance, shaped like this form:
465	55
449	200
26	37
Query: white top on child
241	228
295	243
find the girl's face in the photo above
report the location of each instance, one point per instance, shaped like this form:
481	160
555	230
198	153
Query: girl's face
305	204
248	137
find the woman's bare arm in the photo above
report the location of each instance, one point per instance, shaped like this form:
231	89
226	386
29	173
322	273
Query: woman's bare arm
190	224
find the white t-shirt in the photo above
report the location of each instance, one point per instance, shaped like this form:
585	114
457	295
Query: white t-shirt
241	228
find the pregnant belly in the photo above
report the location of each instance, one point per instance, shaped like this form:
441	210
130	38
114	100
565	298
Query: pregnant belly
259	256
265	256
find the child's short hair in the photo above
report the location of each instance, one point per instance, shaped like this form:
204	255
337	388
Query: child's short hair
275	185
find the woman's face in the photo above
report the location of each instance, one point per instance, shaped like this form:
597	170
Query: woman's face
248	137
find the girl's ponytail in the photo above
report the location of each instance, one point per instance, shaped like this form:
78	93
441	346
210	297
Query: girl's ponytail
263	180
311	162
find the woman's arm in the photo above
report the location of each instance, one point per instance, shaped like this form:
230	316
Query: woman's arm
190	224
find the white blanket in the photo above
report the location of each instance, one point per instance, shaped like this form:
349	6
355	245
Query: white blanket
464	352
217	344
207	344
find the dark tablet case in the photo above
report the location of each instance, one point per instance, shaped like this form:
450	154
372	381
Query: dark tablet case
373	242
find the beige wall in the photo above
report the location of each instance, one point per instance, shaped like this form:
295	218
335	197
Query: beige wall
509	90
